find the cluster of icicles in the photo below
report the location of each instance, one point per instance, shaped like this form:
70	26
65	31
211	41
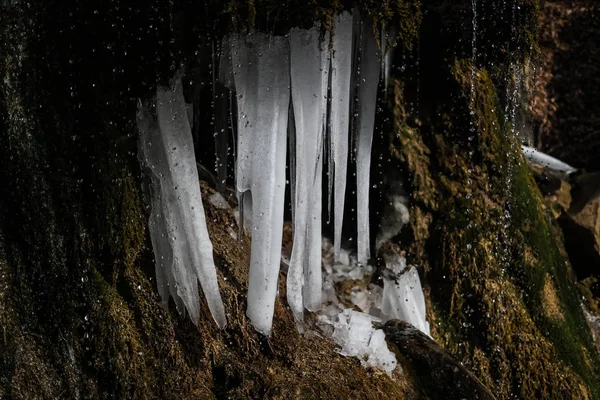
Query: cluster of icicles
288	90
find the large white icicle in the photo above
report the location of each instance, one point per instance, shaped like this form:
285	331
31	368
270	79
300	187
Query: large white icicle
367	102
402	294
341	76
309	77
261	76
547	161
182	247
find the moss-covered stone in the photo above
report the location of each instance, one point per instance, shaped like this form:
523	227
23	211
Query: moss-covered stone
501	294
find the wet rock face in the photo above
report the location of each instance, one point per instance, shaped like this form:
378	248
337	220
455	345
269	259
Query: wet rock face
566	114
441	375
582	241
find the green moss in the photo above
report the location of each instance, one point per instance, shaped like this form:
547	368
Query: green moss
501	293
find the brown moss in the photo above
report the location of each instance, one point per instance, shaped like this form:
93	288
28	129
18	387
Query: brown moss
491	245
550	301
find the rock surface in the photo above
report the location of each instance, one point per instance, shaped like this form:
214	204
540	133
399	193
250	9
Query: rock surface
440	374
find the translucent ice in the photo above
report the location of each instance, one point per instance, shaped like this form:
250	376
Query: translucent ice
367	102
261	77
182	247
309	77
547	161
341	75
403	295
356	336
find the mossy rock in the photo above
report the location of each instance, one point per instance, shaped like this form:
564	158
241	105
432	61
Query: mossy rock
501	292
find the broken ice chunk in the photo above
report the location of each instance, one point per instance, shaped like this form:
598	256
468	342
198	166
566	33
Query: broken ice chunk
403	294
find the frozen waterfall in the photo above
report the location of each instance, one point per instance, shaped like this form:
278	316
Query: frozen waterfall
299	95
182	248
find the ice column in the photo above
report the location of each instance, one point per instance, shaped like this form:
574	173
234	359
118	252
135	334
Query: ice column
309	78
341	76
367	102
261	76
182	247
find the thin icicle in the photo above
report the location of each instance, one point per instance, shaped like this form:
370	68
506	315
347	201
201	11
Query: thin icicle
292	155
178	226
341	76
544	159
367	103
261	75
309	69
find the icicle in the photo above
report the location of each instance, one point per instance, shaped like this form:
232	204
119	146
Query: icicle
341	75
157	224
367	103
177	209
292	155
261	75
309	76
547	161
402	294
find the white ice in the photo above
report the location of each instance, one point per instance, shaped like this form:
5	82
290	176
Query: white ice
547	161
341	75
367	103
356	336
403	295
261	75
309	68
177	223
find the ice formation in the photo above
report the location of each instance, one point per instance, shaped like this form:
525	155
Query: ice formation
182	247
353	331
370	67
341	75
262	79
280	85
403	295
309	77
547	161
